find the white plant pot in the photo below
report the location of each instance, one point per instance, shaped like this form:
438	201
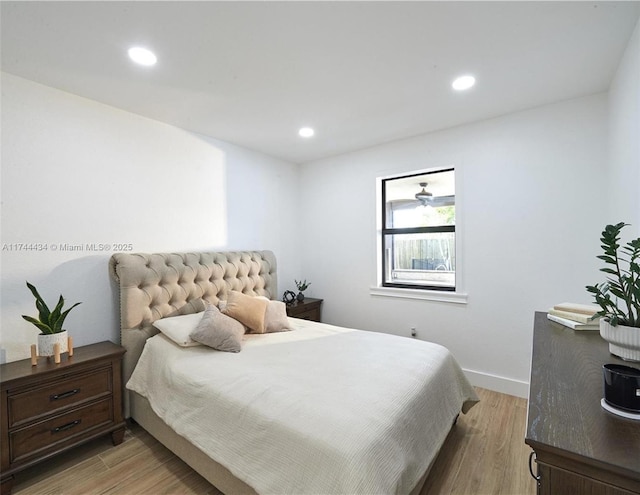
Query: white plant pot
47	341
624	342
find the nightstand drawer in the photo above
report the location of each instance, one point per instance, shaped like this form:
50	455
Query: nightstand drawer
51	433
313	315
56	396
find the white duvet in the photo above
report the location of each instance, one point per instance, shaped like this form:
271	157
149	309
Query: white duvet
318	410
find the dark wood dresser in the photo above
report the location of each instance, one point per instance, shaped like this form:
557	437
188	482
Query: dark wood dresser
309	309
50	408
579	448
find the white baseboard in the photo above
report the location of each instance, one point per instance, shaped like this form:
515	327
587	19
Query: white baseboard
498	383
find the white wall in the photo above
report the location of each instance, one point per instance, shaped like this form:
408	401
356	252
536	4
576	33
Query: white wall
75	172
529	212
624	141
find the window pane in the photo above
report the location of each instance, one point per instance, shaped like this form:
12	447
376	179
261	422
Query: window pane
420	259
423	216
424	200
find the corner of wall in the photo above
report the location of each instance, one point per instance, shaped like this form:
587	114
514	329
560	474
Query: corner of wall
624	146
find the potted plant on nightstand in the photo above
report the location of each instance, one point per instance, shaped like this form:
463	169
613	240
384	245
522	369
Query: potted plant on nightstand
620	322
302	286
50	324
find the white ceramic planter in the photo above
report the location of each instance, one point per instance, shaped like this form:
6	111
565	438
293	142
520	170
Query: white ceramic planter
624	342
47	341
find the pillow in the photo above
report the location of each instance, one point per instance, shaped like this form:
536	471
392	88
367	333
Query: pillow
275	318
219	331
178	328
247	310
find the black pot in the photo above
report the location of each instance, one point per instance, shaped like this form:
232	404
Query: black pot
622	387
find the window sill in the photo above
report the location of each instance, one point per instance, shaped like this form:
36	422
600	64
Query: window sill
426	295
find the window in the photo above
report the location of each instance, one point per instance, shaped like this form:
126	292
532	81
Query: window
419	231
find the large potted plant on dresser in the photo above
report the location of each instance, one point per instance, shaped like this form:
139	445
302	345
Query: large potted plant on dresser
619	296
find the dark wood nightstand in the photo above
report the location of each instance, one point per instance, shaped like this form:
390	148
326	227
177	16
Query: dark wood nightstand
309	309
50	408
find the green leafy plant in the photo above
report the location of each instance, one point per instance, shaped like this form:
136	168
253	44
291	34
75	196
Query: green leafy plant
48	322
623	280
302	285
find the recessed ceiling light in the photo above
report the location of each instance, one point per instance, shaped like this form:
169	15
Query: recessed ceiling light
463	82
306	132
142	56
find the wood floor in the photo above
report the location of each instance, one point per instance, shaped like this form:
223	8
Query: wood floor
484	454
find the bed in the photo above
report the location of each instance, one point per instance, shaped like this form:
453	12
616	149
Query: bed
315	409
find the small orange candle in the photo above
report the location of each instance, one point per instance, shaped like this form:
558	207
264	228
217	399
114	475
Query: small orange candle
34	355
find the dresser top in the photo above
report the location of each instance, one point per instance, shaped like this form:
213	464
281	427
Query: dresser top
565	390
81	355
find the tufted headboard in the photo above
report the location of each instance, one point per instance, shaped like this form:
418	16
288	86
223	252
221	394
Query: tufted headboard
154	286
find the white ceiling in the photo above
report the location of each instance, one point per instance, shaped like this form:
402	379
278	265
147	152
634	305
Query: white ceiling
360	73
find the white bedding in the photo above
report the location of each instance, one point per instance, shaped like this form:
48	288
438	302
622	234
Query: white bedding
318	410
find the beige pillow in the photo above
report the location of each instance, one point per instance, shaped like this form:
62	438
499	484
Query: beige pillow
249	311
219	331
275	318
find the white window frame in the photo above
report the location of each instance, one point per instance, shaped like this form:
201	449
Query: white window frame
458	296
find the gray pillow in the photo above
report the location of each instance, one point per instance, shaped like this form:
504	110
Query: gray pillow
219	331
275	318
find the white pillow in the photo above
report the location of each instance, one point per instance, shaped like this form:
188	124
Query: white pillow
178	328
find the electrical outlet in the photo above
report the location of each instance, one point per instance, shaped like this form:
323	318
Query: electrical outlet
413	331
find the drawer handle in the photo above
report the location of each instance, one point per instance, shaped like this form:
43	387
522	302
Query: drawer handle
68	426
64	395
533	475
